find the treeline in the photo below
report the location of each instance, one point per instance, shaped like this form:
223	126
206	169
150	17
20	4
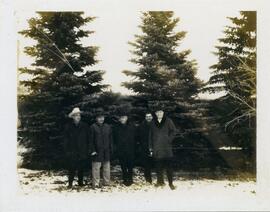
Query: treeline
62	77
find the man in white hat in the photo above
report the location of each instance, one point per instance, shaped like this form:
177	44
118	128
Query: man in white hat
77	141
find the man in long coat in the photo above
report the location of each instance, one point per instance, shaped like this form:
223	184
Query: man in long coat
161	135
147	161
124	137
76	144
101	148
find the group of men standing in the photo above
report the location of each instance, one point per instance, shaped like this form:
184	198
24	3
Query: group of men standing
154	135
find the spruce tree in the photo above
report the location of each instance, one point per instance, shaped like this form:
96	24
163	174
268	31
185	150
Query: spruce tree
236	57
166	77
163	73
60	79
235	74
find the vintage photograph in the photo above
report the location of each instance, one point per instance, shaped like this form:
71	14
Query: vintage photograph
150	105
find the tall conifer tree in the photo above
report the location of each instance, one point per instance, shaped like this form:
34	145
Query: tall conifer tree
164	75
60	78
235	74
163	72
167	77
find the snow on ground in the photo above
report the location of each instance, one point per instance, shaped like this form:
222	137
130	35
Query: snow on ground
32	181
190	192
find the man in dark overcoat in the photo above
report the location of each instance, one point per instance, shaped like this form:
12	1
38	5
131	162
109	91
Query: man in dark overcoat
143	138
76	144
161	135
124	137
102	141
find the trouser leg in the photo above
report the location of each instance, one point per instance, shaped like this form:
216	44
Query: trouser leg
169	171
160	167
71	175
96	173
124	170
80	165
147	170
106	172
130	171
71	172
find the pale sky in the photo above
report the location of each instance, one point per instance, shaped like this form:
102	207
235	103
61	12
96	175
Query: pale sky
114	27
200	41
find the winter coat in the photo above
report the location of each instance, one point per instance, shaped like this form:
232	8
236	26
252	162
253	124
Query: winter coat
77	140
143	138
161	136
101	142
124	138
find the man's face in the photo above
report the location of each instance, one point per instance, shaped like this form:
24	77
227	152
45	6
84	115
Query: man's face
159	114
148	117
100	119
76	118
123	119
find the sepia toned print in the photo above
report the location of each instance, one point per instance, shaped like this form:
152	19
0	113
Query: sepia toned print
168	122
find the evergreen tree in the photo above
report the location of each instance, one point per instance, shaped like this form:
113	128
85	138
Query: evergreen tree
59	80
163	72
166	77
235	73
236	57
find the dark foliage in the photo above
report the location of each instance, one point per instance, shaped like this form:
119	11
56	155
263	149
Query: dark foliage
60	78
235	74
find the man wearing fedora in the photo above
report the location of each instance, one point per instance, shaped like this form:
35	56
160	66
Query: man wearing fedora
101	142
161	134
124	137
77	141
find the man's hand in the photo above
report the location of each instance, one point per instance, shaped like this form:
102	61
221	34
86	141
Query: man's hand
150	152
93	153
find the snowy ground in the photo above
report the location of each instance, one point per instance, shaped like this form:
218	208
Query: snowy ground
32	182
191	193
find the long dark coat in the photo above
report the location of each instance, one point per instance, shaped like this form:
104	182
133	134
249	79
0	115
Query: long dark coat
101	141
77	141
124	138
161	136
143	138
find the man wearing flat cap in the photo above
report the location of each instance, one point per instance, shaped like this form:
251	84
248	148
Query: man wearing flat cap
76	143
101	149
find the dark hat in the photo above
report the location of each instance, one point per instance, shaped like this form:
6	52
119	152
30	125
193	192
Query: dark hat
99	112
147	112
157	106
122	111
